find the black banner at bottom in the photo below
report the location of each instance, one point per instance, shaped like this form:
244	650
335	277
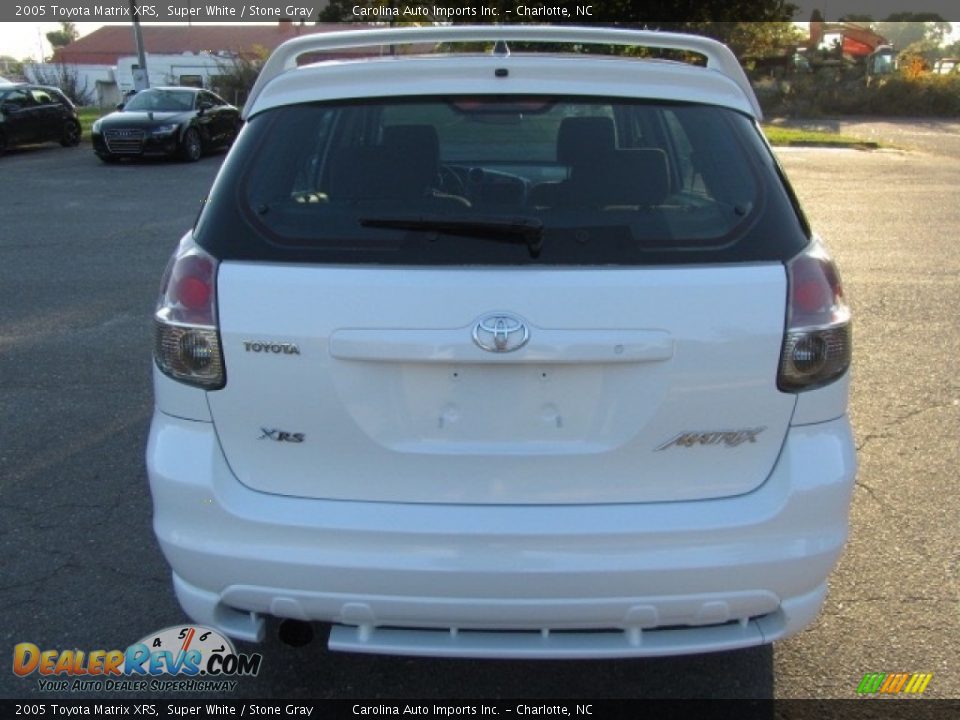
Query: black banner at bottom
907	709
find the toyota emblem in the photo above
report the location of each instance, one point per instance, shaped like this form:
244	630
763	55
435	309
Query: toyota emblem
500	333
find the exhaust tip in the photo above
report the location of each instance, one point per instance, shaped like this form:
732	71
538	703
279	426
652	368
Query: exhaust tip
295	633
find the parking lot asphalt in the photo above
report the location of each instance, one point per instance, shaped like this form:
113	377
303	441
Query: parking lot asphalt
83	246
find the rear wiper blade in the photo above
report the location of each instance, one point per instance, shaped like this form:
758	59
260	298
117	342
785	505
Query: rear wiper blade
511	230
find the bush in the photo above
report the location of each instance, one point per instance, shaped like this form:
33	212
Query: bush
64	77
925	95
235	77
902	94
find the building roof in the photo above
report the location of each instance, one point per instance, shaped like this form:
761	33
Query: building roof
110	42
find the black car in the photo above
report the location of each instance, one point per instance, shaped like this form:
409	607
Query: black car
35	113
172	121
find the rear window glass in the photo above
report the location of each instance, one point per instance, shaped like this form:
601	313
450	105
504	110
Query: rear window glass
502	180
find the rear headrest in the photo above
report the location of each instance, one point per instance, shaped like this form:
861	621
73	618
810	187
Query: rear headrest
353	173
581	138
413	140
412	154
638	176
403	166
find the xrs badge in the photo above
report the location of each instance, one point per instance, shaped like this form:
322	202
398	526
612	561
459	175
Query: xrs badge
281	436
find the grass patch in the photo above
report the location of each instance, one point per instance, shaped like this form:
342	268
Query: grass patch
784	136
87	116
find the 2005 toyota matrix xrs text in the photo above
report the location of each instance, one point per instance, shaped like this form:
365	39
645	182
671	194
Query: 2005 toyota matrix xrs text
503	354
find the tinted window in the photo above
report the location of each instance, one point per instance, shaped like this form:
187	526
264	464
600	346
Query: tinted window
17	98
161	101
41	97
463	180
61	98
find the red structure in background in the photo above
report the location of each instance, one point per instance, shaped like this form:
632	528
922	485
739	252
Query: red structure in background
857	41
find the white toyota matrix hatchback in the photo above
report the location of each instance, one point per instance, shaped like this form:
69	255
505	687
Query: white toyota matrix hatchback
502	353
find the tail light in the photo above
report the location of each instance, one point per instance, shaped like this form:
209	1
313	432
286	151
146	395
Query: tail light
186	336
817	341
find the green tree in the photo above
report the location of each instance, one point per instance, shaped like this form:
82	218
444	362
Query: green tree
62	37
952	50
235	77
905	29
10	66
756	39
340	11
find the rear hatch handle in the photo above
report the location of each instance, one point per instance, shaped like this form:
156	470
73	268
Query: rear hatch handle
545	346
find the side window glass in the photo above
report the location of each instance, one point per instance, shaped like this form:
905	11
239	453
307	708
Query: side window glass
296	170
18	99
710	163
41	97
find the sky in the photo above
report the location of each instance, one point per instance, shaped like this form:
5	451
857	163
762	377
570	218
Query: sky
21	40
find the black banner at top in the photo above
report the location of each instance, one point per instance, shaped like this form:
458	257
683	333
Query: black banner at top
312	11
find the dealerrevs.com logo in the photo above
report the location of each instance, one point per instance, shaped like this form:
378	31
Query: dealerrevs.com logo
180	658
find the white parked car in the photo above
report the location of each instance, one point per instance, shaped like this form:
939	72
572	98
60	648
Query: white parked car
503	354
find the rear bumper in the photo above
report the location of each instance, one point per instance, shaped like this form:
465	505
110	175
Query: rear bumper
584	581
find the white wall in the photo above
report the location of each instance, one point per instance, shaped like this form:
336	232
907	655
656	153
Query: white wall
168	69
107	84
88	76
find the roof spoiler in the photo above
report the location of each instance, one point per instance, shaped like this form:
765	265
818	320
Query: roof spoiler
719	56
